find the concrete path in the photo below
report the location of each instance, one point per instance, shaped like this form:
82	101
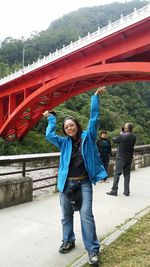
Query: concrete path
30	233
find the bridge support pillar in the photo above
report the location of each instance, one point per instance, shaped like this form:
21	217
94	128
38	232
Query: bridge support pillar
14	191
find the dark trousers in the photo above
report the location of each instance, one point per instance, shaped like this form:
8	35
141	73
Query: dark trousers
122	166
105	162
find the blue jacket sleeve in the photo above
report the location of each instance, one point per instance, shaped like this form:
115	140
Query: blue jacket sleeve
94	116
51	136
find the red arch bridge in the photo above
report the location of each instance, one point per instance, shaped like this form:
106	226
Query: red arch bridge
117	53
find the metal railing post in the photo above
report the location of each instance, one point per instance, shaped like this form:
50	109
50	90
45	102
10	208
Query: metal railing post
24	169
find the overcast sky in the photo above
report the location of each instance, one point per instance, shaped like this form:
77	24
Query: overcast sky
21	18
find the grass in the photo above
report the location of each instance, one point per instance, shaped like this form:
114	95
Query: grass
131	249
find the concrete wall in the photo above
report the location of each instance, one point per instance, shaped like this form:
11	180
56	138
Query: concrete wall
14	191
111	169
146	160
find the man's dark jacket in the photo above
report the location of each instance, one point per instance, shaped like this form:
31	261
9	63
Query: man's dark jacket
126	142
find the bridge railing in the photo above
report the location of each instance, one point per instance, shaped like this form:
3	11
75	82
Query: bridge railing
122	23
48	162
29	164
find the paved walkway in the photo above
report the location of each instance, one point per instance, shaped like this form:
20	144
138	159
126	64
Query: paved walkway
30	233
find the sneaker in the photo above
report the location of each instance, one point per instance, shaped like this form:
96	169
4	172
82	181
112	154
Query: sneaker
94	258
66	247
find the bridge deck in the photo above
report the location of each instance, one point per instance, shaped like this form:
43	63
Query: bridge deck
117	53
31	232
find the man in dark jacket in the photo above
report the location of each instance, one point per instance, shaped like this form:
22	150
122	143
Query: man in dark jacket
126	141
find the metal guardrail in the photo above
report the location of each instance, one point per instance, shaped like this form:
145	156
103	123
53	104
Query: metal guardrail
143	149
51	160
137	157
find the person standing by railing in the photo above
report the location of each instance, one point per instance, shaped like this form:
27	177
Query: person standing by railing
104	147
125	141
79	168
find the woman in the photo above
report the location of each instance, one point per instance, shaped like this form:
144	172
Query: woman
79	168
104	148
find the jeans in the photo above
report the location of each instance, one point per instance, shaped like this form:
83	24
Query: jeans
122	166
88	228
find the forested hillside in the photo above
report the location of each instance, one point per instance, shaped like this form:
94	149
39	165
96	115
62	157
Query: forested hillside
121	103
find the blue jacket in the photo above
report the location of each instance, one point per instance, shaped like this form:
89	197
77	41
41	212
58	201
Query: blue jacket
90	152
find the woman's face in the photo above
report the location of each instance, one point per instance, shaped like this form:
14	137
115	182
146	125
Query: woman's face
71	128
104	135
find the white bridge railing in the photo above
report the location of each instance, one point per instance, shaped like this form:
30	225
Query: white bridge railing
123	22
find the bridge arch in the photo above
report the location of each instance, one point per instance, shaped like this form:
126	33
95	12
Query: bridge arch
117	53
55	92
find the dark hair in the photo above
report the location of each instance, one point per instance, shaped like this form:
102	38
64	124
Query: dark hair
103	131
129	126
80	130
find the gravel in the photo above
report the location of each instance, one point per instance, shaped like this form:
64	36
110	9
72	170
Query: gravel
38	174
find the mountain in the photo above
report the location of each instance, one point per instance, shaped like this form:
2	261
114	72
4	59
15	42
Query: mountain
129	102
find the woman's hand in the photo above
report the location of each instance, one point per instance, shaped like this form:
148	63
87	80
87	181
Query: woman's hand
46	113
100	90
